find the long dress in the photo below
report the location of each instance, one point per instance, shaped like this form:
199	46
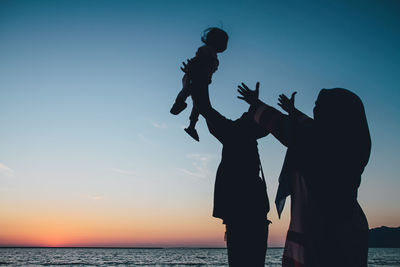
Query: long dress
328	226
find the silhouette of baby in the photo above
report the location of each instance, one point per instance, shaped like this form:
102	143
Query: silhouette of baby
199	70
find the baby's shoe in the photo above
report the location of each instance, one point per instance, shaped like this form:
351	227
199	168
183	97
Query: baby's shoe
193	133
178	107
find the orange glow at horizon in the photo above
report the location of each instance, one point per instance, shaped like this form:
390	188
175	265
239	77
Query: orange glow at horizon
57	226
37	221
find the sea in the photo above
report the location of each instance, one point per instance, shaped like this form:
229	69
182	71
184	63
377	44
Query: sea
153	257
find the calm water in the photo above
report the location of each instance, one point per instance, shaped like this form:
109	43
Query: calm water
151	257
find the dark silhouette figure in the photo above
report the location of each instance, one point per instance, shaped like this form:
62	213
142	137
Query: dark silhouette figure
204	64
326	157
240	197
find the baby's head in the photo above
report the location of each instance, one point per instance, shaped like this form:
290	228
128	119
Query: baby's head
216	38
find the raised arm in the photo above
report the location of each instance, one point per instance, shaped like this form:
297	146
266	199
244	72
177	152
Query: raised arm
268	117
288	129
288	105
218	125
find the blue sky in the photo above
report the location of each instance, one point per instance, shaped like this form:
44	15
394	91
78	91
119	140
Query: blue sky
86	88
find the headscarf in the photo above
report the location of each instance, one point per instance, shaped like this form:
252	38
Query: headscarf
342	128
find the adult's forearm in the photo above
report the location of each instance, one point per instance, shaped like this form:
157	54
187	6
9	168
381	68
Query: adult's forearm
218	125
201	98
298	114
264	114
271	119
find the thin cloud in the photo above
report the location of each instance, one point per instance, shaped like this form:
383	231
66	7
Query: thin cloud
121	171
145	139
200	164
5	171
193	174
159	125
200	157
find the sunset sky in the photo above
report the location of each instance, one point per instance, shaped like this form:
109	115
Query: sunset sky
91	156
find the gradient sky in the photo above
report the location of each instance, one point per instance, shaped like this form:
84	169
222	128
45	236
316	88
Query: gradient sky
89	154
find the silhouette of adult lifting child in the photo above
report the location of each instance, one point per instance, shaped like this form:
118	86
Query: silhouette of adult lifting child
240	196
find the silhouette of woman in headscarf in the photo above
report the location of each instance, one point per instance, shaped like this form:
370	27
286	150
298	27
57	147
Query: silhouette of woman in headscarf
326	157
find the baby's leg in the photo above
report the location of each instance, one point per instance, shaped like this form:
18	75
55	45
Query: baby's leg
180	101
185	92
194	117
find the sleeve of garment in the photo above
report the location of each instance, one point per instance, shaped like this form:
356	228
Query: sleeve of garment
299	116
272	120
218	125
287	129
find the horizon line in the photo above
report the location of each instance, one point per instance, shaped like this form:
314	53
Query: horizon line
178	247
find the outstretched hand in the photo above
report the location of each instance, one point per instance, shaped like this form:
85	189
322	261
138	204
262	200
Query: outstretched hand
185	68
248	95
285	103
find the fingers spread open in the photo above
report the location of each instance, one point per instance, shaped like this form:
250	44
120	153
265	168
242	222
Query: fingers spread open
241	92
245	86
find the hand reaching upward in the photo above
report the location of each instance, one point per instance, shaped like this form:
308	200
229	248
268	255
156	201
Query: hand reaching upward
287	104
185	68
248	95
